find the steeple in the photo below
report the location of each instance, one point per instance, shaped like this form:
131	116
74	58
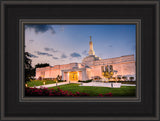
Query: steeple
91	51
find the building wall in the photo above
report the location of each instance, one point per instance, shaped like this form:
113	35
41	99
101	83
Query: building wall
80	75
96	71
125	66
54	73
88	74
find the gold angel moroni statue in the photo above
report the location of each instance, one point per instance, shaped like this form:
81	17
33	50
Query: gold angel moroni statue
91	51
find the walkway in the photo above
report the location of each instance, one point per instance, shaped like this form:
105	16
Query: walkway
53	85
84	84
128	85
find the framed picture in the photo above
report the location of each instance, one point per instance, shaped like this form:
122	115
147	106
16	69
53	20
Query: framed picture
59	57
74	72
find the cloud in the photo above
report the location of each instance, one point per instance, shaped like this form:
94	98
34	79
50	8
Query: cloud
63	56
31	41
40	28
50	49
85	52
62	28
55	58
75	55
109	45
33	56
42	53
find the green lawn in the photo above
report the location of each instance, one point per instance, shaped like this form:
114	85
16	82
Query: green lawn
39	82
94	91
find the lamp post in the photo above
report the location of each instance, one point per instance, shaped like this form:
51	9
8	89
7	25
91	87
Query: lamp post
56	82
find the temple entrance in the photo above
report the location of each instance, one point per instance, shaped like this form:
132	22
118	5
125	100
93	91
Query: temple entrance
73	76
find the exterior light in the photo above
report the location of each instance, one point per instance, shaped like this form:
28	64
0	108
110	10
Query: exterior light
44	83
26	85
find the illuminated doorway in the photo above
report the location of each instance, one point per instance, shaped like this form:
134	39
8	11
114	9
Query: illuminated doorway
73	76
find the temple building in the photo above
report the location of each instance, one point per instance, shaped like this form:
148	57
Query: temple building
90	68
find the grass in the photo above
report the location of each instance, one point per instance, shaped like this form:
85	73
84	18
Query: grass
39	82
94	91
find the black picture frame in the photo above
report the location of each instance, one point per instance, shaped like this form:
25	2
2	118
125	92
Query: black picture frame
13	108
23	22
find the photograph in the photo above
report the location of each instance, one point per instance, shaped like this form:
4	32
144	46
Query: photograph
80	60
77	60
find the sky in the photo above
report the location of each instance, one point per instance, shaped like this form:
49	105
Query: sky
63	44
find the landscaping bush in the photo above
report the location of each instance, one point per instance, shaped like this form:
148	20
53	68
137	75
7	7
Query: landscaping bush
107	94
56	92
124	78
96	78
51	92
61	80
131	78
85	81
50	79
40	78
119	78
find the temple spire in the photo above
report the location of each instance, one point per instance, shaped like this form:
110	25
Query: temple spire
90	38
91	51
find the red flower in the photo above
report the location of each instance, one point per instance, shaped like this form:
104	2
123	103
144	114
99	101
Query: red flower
108	94
51	92
101	95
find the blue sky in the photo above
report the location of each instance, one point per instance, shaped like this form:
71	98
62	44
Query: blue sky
63	44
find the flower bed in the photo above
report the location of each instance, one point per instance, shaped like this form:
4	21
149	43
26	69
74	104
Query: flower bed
87	81
56	92
107	94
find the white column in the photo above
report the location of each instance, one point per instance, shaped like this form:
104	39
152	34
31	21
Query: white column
83	75
67	76
63	75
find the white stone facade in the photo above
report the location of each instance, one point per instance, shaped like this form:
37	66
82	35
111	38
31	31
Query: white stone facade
90	67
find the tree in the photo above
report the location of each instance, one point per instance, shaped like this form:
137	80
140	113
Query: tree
40	65
58	78
29	72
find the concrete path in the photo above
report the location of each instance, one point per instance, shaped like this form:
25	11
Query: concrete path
100	84
128	85
52	85
84	84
